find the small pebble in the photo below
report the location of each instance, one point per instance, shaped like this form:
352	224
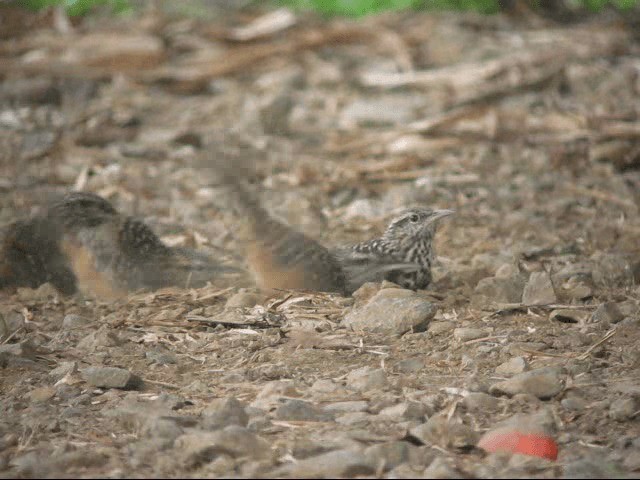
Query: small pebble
72	320
367	378
109	377
466	334
300	410
42	394
544	383
539	290
512	366
623	409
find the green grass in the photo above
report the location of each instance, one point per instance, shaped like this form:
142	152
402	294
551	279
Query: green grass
78	7
599	4
357	8
350	8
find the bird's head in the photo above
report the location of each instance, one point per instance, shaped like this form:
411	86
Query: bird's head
81	210
415	223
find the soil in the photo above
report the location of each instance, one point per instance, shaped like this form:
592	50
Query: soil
527	128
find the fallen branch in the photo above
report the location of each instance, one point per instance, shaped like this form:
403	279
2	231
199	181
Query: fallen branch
473	81
197	74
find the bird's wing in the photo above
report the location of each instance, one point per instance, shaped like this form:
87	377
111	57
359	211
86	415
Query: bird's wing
361	267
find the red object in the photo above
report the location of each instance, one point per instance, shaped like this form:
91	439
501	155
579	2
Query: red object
537	445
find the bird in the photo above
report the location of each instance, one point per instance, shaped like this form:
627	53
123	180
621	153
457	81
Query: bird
281	257
30	256
278	256
404	254
31	250
82	243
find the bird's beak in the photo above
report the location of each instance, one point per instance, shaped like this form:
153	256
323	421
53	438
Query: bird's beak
438	214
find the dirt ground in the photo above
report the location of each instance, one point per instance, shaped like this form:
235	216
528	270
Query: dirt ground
529	129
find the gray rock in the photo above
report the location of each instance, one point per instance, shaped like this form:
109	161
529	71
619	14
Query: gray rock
525	399
170	401
389	454
41	395
623	409
476	383
223	412
367	378
103	337
539	290
442	467
325	385
134	414
543	383
8	440
592	468
81	400
481	402
272	392
67	393
365	292
407	470
346	407
72	321
378	110
259	424
450	434
410	365
196	448
243	300
405	411
24	349
630	307
465	334
608	312
612	269
63	369
305	447
512	366
574	403
382	400
36	144
110	377
31	465
164	428
631	322
501	290
338	463
520	466
10	321
161	357
354	418
632	460
299	410
392	311
440	327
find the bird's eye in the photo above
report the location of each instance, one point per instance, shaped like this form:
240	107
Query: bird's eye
414	218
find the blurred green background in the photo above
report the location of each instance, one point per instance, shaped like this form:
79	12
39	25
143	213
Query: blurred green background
351	8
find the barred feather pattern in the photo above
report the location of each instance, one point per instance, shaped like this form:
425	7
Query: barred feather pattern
404	254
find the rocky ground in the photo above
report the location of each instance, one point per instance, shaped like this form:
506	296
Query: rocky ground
527	128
